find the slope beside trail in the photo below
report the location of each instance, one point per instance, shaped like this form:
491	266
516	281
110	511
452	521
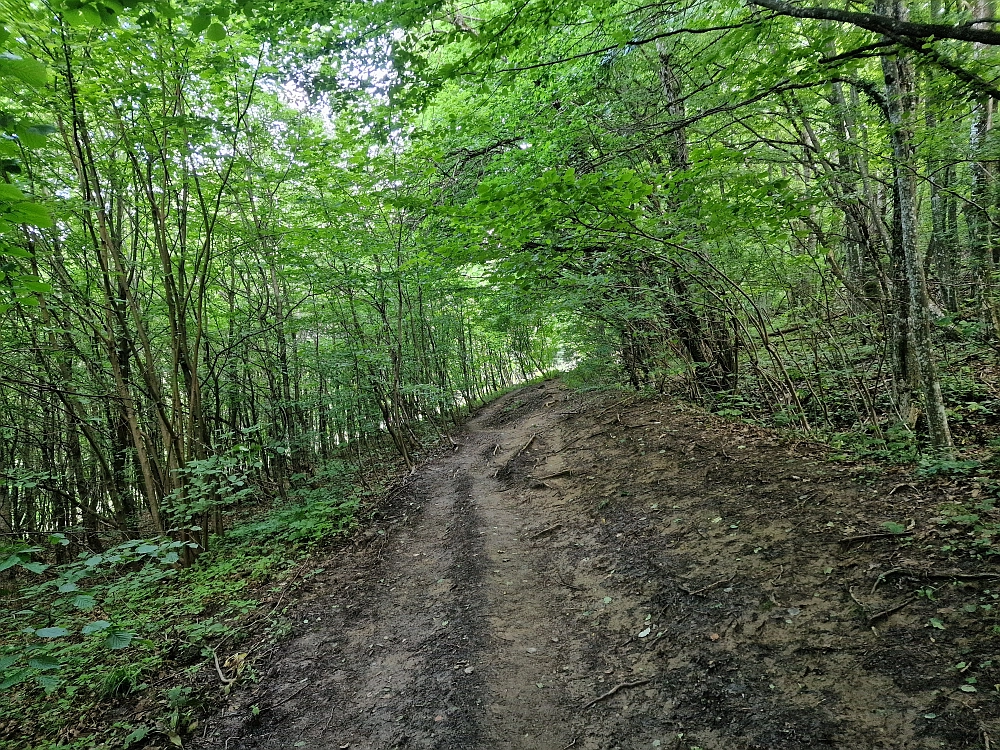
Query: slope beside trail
596	572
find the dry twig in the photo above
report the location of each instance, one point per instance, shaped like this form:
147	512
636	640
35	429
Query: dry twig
709	586
227	681
285	700
547	531
931	575
850	590
865	537
565	583
505	469
612	691
872	619
562	473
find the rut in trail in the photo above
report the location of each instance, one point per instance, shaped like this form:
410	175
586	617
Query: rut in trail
592	574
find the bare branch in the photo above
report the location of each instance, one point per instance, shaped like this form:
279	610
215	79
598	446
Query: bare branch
884	24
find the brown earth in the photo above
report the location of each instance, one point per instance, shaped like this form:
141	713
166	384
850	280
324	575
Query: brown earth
593	572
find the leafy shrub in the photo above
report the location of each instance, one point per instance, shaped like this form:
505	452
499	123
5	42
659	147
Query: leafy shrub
929	467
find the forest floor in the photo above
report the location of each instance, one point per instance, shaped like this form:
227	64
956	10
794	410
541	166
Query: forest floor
595	572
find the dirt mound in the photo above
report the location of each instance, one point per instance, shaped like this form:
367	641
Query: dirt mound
591	573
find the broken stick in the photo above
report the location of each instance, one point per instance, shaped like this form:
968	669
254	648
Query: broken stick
872	619
709	586
562	473
544	532
503	470
615	689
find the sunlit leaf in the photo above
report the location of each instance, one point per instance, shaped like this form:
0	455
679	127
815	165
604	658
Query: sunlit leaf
216	32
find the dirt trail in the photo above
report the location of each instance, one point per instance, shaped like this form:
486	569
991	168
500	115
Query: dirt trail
570	546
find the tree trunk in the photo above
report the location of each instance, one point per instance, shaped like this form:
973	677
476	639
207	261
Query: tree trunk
902	106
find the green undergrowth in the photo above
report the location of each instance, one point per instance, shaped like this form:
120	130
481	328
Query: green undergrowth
114	648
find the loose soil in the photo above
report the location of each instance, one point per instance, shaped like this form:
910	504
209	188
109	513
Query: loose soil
598	572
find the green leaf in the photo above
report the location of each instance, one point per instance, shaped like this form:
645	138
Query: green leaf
25	70
200	22
894	528
32	136
35	567
968	688
6	662
49	682
84	602
147	549
118	639
74	17
216	32
95	627
52	632
68	587
137	734
11	193
35	286
15	677
30	213
91	15
936	623
93	562
44	662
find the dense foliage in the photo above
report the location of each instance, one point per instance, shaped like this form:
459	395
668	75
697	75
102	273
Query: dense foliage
239	243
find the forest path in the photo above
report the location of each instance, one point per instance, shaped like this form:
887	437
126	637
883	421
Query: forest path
571	545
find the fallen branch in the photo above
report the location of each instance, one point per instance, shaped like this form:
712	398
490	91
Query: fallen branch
547	531
612	691
652	423
564	472
565	583
931	575
709	586
526	445
505	469
850	590
865	537
227	681
578	438
886	612
613	406
285	700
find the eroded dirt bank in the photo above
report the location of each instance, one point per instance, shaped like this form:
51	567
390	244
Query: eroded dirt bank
586	573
